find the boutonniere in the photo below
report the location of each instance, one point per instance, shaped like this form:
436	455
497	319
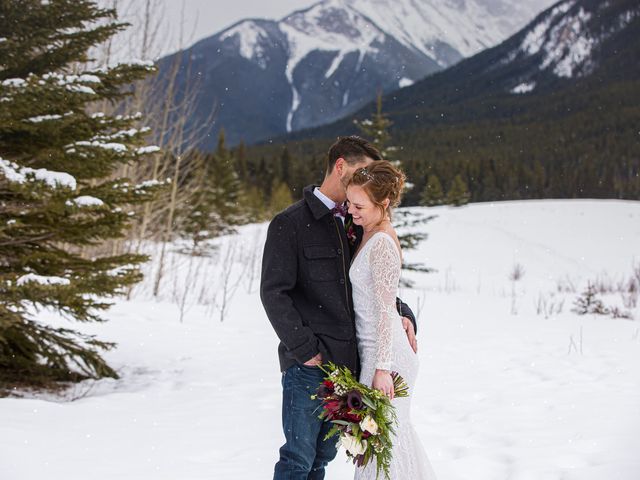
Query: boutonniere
351	231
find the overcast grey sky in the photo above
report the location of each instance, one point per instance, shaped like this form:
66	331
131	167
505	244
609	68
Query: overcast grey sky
202	18
214	15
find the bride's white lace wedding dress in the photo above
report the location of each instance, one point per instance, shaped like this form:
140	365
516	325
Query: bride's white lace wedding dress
382	343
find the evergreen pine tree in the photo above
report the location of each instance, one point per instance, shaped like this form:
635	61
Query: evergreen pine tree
254	204
432	194
222	174
264	176
215	207
241	162
199	219
589	303
285	166
376	130
407	220
489	189
57	194
280	197
458	193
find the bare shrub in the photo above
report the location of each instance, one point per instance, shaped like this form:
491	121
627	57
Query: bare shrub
228	285
636	272
630	295
566	285
632	288
604	284
450	283
190	282
577	347
549	305
515	275
420	304
589	303
251	263
616	312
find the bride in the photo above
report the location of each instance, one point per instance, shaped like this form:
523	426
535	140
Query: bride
374	274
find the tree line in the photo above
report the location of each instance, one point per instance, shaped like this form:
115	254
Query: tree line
579	142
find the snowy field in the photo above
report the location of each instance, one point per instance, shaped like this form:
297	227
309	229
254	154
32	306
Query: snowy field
513	385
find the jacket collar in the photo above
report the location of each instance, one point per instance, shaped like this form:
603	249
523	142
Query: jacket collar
318	209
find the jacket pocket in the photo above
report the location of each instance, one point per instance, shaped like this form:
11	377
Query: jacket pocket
322	262
334	331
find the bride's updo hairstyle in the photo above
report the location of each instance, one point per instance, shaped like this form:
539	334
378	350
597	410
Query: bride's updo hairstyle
380	180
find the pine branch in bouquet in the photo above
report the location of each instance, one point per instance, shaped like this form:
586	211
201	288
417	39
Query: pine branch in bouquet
363	418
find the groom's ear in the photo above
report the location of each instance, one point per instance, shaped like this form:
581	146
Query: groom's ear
339	166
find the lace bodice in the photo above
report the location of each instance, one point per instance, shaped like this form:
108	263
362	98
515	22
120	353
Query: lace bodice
378	302
383	344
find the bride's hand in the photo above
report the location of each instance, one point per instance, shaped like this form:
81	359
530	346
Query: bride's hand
382	381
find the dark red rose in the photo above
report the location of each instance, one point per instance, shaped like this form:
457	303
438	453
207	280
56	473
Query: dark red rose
351	234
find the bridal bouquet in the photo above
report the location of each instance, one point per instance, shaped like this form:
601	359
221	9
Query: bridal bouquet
362	416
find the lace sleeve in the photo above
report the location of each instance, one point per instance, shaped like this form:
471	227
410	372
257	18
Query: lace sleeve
385	269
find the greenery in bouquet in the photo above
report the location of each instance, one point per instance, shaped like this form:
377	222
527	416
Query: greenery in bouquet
363	417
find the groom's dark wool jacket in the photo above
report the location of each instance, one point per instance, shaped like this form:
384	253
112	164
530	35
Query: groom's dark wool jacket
305	287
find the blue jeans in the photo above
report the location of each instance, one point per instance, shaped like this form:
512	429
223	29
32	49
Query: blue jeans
305	454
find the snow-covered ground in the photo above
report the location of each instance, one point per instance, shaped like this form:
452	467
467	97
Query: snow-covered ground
504	392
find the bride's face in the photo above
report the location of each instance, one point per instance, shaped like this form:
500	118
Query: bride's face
364	212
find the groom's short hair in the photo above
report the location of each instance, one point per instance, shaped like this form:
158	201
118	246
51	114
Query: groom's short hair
353	149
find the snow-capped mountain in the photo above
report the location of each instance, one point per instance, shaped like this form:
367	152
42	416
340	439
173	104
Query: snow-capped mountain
565	41
589	43
265	78
466	26
571	40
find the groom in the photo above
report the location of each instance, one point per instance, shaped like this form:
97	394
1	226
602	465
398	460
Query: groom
306	293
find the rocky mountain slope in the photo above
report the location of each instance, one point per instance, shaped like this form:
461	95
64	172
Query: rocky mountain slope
264	78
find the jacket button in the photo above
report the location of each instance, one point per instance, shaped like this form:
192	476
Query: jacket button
342	281
339	251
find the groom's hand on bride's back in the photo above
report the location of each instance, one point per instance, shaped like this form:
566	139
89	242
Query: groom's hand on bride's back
315	361
407	324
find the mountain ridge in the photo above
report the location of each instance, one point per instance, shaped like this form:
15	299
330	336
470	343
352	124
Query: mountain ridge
323	62
572	135
512	68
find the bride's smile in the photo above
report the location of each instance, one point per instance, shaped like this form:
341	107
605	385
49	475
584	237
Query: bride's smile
363	211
